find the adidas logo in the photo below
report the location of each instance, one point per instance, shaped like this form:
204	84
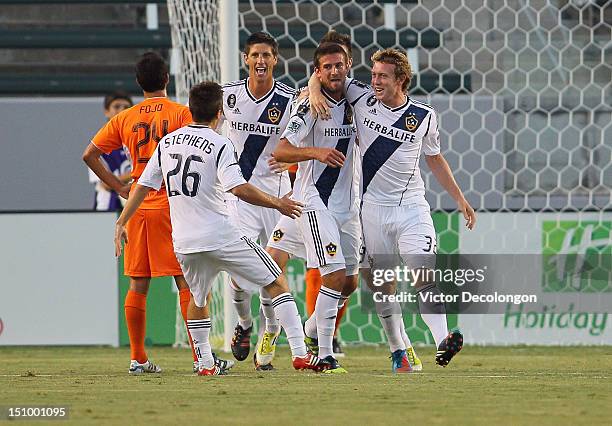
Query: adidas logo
237	111
373	111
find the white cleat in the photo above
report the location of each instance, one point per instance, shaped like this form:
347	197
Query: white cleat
137	368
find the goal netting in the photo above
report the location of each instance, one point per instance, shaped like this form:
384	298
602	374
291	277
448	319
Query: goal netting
523	91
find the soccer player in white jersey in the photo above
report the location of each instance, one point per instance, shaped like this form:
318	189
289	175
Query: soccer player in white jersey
197	166
393	130
257	110
327	186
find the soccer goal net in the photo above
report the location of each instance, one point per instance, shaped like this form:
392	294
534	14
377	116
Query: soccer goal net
523	94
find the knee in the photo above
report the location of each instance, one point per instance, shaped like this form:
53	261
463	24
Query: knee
139	285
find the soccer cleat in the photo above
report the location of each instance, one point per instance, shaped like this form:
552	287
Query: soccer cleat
137	368
312	344
241	342
214	371
337	349
413	359
224	364
399	362
334	366
450	346
265	352
310	362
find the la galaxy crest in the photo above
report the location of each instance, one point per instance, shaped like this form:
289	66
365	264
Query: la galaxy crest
231	101
277	235
331	249
412	122
371	101
274	113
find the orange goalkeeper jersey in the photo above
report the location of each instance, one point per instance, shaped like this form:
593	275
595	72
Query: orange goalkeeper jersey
139	129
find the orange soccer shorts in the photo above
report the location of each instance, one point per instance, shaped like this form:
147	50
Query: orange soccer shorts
149	251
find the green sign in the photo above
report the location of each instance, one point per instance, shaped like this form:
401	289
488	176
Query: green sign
577	256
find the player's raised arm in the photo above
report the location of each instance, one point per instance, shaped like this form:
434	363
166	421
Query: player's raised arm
91	157
318	103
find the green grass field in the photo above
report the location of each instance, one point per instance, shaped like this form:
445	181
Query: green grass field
517	385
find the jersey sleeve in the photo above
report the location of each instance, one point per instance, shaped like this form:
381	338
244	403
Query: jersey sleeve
228	169
152	176
300	123
108	137
355	90
431	140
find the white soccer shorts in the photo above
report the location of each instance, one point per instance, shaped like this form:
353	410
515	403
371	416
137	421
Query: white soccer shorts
256	222
405	231
242	258
287	237
332	239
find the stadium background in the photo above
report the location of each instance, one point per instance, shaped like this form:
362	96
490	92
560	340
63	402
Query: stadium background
522	87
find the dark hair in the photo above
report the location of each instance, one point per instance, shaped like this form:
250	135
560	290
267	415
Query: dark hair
152	72
328	49
334	36
261	37
112	97
205	101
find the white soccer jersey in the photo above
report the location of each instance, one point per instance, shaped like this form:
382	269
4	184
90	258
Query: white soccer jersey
198	166
391	141
255	127
319	185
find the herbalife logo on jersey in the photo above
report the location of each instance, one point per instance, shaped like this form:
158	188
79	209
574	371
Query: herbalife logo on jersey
577	256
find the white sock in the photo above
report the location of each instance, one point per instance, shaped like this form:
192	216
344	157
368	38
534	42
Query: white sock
433	314
272	324
437	325
310	326
390	318
200	330
287	313
404	335
326	311
242	303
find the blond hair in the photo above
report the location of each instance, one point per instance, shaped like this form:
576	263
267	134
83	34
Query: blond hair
400	60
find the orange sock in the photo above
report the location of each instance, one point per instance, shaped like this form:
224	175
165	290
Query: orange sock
136	319
313	285
184	296
341	312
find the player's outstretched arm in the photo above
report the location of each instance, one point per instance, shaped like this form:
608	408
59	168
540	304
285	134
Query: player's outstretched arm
91	157
318	103
136	199
441	170
287	152
250	194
